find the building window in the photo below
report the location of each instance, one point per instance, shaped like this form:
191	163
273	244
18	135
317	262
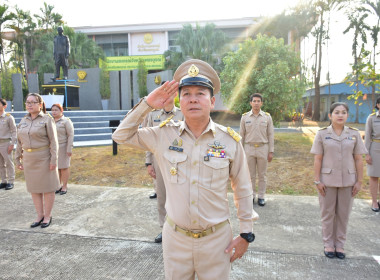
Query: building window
113	45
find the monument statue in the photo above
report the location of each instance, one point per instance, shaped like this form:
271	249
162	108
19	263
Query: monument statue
61	53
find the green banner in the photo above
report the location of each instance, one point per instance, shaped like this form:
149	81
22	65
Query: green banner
117	63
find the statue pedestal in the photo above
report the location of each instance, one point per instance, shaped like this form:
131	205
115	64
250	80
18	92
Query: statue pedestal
62	88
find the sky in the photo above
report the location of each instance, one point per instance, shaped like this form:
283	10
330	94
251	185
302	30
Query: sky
117	12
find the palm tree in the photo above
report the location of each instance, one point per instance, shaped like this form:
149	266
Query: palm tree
5	17
206	43
23	25
48	18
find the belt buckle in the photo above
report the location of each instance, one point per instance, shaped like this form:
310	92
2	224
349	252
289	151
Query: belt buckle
196	234
29	150
256	145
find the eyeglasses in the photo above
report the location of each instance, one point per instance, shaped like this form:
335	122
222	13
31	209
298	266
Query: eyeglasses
31	103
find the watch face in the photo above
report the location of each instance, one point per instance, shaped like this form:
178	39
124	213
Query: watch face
250	237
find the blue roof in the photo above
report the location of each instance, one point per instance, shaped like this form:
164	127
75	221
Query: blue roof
340	88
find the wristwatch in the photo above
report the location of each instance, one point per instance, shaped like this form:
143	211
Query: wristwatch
317	182
249	237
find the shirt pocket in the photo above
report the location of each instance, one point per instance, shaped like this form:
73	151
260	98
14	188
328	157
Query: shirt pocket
176	166
326	170
215	173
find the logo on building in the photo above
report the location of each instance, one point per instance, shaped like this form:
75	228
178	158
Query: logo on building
157	80
82	75
148	38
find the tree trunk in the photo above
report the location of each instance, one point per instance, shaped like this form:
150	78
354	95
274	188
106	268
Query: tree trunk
317	73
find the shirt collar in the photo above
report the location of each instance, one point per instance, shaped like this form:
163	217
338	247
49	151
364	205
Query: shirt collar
173	111
210	126
40	114
3	115
260	113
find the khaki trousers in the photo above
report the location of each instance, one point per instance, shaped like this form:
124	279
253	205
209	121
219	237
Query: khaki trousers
257	158
185	256
7	168
335	211
160	189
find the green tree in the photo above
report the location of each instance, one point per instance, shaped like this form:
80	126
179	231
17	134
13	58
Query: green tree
206	43
267	66
23	26
5	17
357	24
321	34
141	78
48	19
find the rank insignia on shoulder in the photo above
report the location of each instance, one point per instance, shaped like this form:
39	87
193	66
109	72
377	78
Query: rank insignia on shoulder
7	114
373	114
166	121
353	128
245	113
323	128
234	134
266	113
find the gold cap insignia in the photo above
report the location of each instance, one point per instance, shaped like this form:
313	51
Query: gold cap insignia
193	71
173	171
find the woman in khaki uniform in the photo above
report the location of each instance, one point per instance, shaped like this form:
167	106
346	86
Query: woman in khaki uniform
36	154
338	168
372	143
65	133
7	140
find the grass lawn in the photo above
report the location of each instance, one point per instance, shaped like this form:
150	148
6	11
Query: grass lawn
290	172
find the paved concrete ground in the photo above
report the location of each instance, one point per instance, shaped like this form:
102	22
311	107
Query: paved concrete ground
108	232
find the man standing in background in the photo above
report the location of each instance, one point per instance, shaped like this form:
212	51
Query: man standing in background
257	132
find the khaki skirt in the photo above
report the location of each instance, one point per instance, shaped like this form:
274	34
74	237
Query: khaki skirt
39	178
373	170
63	158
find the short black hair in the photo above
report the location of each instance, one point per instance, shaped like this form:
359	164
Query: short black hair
377	102
256	95
3	101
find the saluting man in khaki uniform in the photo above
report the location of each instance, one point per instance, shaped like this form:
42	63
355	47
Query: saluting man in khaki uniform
8	138
153	119
197	157
338	171
257	132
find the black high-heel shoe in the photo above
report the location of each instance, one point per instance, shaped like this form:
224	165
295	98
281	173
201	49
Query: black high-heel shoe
36	224
58	191
45	225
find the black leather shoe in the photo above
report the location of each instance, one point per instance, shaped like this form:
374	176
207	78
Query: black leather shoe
63	192
375	209
261	201
58	191
158	238
9	187
36	224
330	255
153	195
45	225
340	255
3	185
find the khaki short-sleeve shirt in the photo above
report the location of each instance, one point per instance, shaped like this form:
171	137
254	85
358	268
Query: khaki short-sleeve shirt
37	133
338	163
257	129
65	132
8	128
372	129
196	183
155	117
